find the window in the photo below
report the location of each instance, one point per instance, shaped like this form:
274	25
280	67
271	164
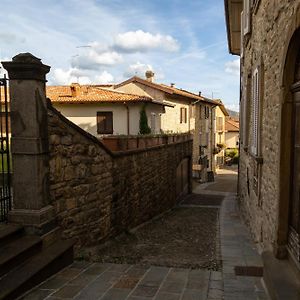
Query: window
256	92
220	124
206	112
183	115
104	122
246	21
242	36
220	138
245	113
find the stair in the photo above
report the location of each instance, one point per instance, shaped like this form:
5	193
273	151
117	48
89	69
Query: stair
281	280
26	261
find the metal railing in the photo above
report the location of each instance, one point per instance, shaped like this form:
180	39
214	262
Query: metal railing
5	156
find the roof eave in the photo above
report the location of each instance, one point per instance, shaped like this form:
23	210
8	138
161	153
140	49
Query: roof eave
229	16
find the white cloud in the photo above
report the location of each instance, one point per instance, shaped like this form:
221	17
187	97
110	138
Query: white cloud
233	67
103	78
92	60
62	77
65	77
140	41
137	69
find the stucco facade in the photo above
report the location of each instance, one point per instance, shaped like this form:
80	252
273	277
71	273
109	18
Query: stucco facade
269	67
231	139
219	125
170	121
187	113
85	116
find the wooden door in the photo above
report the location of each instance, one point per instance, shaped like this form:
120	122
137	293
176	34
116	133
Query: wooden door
294	218
182	178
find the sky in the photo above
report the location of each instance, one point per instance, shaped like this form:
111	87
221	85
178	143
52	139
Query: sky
108	41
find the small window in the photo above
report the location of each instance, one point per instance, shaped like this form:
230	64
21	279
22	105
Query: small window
220	126
220	138
104	122
206	112
246	22
183	115
255	111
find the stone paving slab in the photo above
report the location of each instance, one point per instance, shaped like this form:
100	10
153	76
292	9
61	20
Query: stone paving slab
120	282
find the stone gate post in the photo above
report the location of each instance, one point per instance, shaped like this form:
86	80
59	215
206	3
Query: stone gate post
29	144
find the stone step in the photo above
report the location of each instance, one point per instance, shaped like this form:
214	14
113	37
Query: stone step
35	270
10	232
17	251
280	279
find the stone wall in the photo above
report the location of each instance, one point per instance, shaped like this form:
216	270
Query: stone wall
265	46
98	194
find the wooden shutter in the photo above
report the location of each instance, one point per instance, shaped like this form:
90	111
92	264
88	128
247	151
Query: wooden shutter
104	122
246	17
255	111
183	115
242	35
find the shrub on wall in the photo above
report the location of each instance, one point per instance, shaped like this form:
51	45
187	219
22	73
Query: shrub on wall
144	128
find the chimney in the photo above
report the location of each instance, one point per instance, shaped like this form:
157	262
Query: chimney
172	84
149	76
199	93
75	88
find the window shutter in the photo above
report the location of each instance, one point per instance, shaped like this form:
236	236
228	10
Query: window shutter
185	115
255	111
109	122
104	122
242	35
181	115
246	17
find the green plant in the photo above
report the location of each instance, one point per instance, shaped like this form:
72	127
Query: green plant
232	153
144	128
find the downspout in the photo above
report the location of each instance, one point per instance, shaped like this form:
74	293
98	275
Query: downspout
128	118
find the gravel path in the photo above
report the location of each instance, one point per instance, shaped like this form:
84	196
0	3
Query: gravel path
186	237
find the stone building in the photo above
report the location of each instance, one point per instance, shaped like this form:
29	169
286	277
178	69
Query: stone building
221	115
266	35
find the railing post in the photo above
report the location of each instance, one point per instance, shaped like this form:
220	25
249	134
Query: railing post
29	144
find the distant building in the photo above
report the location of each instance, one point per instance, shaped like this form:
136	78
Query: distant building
220	144
232	130
104	112
190	113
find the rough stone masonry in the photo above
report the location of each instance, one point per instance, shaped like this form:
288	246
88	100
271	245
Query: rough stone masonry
98	194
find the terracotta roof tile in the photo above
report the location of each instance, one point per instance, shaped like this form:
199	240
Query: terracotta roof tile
76	93
231	125
168	89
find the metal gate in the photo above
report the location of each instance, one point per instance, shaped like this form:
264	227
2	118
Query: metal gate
5	156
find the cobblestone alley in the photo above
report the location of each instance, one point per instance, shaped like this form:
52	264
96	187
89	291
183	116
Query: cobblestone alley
199	250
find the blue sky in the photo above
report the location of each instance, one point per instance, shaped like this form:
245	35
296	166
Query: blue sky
89	41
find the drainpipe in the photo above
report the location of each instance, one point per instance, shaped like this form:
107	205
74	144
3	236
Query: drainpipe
128	118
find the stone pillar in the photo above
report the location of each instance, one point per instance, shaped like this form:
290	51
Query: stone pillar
29	144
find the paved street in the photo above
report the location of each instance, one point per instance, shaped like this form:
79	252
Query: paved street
164	275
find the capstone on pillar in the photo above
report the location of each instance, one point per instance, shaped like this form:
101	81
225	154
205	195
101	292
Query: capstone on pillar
29	143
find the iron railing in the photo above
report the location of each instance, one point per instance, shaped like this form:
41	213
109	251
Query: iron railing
5	157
